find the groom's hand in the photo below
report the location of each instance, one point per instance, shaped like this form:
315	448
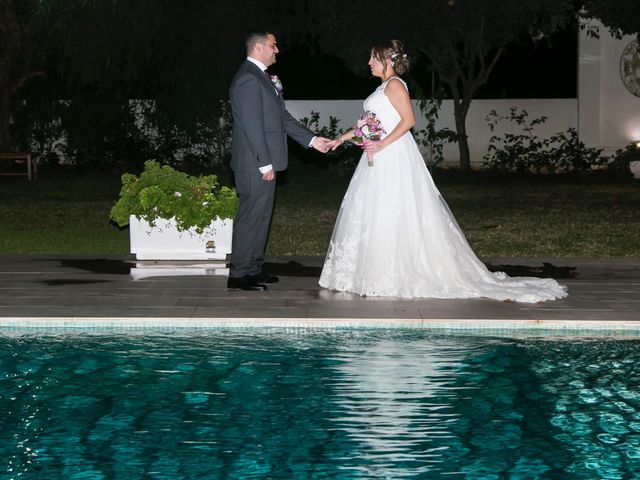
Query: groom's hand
269	176
321	144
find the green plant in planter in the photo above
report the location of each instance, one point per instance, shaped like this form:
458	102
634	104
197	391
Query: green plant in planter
163	192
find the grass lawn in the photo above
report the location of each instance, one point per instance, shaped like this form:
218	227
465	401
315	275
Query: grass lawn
501	217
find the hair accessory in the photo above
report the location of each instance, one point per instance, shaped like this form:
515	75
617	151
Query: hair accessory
394	55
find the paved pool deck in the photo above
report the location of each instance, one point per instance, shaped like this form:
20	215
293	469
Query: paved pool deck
86	291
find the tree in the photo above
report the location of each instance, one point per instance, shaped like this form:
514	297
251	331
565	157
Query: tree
619	17
463	38
72	43
99	54
22	33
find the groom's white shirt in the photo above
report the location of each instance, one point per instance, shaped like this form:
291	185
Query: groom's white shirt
263	67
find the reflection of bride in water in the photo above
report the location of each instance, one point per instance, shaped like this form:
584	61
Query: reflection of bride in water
392	397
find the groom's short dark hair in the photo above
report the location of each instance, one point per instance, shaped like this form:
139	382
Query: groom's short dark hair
254	36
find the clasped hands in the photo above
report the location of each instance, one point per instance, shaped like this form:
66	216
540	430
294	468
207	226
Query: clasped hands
369	146
323	145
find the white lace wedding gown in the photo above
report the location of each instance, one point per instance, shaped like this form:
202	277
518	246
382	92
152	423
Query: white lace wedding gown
395	236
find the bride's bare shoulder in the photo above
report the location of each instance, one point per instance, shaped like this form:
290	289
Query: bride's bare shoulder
396	87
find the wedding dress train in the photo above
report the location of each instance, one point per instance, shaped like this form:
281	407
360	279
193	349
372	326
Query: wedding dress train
395	236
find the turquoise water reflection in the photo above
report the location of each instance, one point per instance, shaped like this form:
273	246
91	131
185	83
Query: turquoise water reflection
347	404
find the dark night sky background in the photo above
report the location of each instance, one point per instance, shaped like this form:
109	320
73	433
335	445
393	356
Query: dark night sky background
548	70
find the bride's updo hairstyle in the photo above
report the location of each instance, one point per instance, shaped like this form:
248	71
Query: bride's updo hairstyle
394	50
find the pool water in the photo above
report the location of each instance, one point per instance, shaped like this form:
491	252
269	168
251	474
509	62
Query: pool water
317	404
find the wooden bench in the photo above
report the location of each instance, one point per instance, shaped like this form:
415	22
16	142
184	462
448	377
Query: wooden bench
26	157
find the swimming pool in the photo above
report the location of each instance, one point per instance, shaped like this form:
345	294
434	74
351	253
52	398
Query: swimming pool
317	404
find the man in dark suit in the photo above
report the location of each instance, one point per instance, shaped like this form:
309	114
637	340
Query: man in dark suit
260	128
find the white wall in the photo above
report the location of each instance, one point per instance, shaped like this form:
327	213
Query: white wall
561	114
605	113
609	114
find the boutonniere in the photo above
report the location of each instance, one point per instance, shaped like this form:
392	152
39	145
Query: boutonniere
277	83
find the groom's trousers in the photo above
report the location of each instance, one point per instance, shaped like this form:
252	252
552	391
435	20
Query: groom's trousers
252	223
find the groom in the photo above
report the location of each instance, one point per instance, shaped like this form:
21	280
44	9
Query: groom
260	128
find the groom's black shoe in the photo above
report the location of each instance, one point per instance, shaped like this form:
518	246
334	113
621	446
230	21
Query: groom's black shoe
265	278
245	283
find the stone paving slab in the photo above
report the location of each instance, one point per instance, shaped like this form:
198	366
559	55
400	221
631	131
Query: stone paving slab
116	290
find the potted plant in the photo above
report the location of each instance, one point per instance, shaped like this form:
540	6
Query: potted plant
175	216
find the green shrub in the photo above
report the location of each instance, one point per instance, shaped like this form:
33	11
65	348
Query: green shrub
430	137
344	159
163	192
568	154
526	153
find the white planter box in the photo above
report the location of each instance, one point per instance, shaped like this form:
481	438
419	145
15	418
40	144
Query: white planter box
165	242
183	268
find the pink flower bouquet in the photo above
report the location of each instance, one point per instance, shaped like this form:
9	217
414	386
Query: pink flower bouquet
367	127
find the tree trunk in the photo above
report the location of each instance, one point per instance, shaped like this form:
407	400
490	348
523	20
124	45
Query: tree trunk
463	142
5	115
460	110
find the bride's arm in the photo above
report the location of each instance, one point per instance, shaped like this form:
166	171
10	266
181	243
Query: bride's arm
399	98
335	143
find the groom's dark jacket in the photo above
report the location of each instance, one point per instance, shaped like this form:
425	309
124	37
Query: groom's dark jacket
260	122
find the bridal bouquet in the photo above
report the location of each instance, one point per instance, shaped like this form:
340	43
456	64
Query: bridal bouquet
367	127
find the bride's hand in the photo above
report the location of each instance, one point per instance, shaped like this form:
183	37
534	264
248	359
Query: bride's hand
372	147
335	143
331	145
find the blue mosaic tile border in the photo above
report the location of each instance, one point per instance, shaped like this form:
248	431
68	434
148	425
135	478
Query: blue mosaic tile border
483	327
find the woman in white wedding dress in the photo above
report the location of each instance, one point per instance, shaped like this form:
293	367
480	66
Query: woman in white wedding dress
394	235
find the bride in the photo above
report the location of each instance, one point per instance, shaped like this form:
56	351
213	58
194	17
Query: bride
394	235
